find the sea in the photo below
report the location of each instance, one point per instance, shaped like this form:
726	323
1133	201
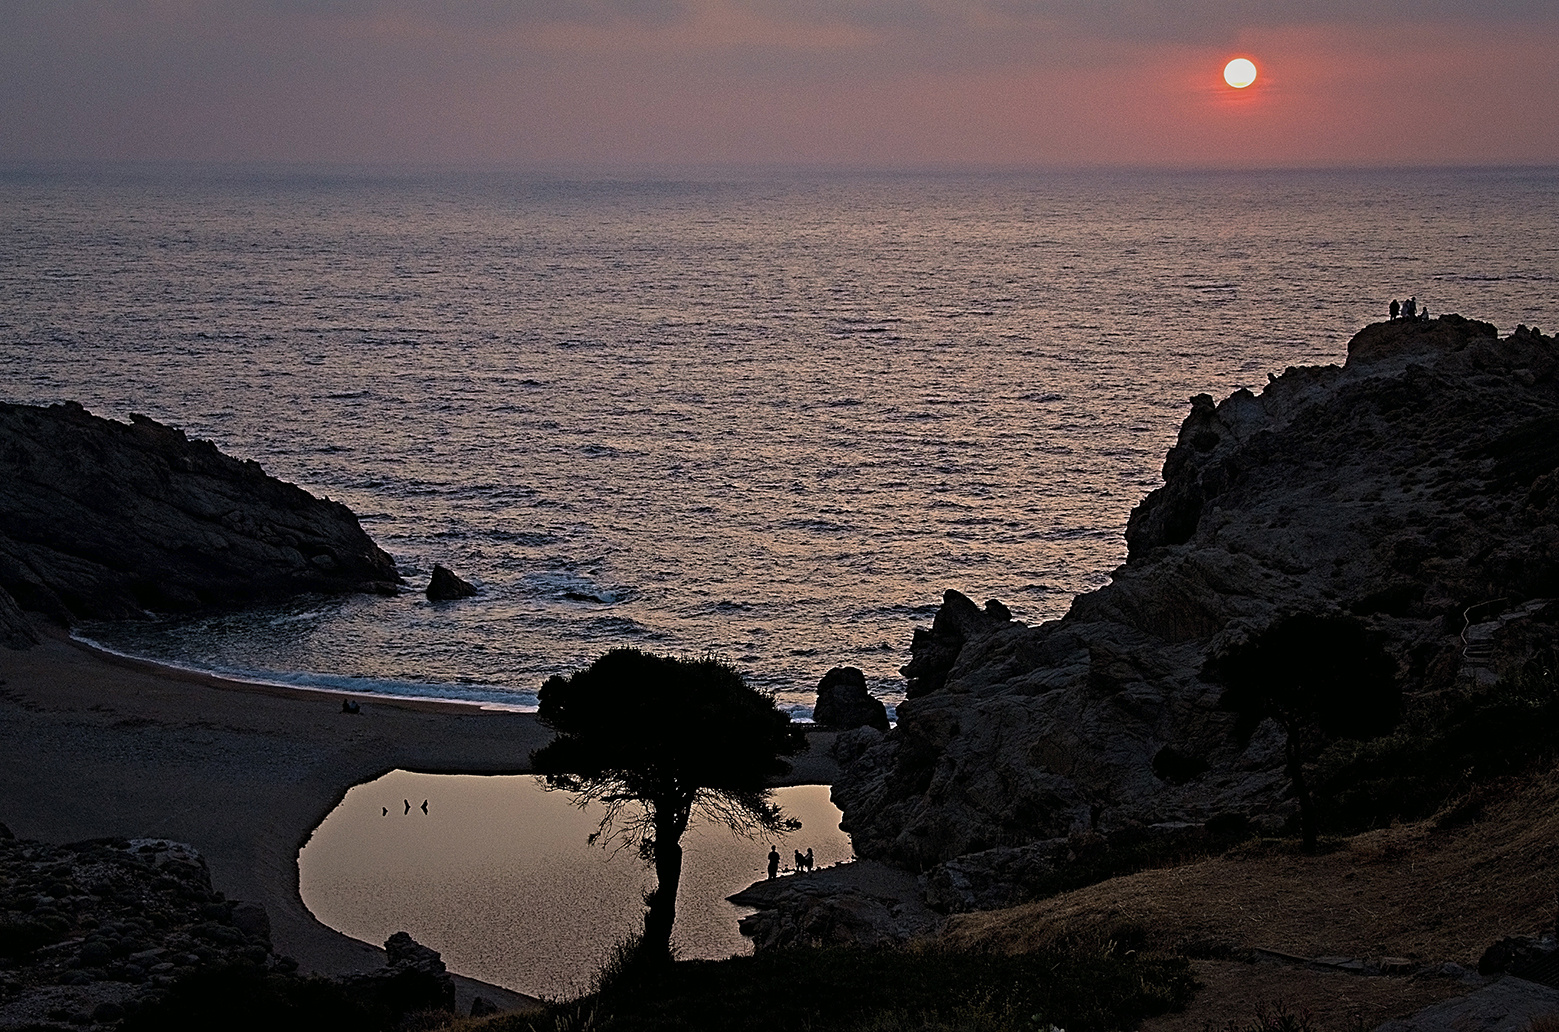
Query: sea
765	415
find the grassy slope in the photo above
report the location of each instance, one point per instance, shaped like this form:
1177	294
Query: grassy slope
1430	891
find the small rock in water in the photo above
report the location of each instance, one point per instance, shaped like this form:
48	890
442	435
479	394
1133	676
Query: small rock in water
445	586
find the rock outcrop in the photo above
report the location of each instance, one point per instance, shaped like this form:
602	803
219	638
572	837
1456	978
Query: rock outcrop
1413	491
95	930
108	520
843	702
852	904
444	586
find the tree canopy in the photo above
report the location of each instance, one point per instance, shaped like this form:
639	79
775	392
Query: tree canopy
676	737
1321	678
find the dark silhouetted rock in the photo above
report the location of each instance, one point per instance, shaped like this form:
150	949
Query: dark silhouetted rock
860	904
444	586
251	919
843	702
481	1007
934	651
108	520
1400	490
16	632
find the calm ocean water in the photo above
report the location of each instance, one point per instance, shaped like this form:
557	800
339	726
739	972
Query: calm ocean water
768	417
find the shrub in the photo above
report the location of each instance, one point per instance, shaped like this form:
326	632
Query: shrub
1445	748
866	990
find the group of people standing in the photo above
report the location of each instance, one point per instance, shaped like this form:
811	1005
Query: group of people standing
804	862
1409	310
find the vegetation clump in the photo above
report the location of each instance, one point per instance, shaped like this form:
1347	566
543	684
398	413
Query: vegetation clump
656	739
1447	747
1076	987
1321	678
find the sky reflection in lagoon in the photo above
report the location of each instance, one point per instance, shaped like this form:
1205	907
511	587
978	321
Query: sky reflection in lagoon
498	877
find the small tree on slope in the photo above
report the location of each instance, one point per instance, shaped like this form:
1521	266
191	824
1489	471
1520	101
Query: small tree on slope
656	739
1321	678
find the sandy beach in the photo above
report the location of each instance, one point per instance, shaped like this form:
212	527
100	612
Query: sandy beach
98	746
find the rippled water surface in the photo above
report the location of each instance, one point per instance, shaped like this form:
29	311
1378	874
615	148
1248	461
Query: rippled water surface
769	417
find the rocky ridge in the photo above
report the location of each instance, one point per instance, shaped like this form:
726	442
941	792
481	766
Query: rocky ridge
1401	491
108	520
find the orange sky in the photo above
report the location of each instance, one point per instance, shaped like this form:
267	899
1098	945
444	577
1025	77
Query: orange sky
861	83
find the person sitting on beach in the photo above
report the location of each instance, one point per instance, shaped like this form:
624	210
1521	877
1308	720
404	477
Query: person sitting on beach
1395	308
773	862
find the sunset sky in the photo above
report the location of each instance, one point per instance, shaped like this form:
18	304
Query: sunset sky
856	83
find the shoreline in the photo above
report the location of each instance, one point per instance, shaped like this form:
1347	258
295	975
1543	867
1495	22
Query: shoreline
210	679
103	744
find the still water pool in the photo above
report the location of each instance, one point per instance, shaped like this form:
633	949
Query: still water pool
498	875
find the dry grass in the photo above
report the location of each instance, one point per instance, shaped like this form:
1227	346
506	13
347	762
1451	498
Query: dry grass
1415	891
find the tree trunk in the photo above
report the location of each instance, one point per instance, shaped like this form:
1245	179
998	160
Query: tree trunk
662	912
1296	774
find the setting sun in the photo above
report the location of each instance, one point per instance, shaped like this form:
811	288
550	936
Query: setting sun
1239	73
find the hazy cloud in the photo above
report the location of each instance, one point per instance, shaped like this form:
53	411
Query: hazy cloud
840	80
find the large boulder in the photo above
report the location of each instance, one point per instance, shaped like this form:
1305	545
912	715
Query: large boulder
843	702
108	520
445	586
1397	492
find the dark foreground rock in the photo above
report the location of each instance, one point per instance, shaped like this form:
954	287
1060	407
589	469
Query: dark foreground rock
108	520
854	904
843	702
97	932
1413	493
101	928
444	586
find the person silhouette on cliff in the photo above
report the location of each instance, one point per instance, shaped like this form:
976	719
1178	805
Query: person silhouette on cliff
1410	307
773	862
1395	309
811	865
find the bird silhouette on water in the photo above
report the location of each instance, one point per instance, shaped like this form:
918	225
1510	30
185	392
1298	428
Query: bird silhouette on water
408	805
386	812
424	807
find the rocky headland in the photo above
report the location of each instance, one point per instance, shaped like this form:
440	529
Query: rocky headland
108	520
1412	492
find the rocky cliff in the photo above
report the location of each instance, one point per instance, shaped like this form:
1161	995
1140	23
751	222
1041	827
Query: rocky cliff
1412	491
108	520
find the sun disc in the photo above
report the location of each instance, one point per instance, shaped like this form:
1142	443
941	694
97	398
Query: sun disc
1239	73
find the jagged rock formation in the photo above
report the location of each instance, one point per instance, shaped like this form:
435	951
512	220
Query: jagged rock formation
843	702
107	520
444	586
1417	481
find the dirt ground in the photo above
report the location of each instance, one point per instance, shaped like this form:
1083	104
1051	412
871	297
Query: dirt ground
1429	892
